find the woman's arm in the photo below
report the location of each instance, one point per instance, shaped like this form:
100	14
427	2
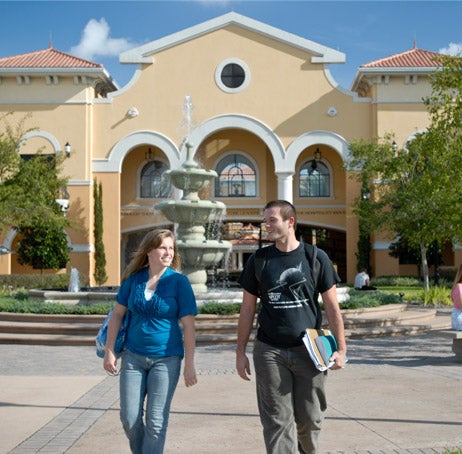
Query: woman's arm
189	334
113	327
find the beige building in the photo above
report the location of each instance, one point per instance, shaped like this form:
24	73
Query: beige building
268	117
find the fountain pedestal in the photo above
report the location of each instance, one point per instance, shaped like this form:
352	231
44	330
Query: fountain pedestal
191	215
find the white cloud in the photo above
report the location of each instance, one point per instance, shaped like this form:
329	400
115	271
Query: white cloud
454	49
97	42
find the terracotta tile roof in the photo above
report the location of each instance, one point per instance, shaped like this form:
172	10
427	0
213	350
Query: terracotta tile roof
47	58
414	58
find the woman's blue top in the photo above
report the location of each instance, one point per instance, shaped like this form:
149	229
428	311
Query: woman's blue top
154	328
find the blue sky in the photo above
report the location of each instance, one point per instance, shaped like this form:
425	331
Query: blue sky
101	30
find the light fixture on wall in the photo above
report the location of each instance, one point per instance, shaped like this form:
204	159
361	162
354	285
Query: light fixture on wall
67	149
394	146
132	112
317	158
317	155
149	155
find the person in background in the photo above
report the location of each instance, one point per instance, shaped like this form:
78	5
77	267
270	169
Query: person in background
362	281
289	387
456	297
159	299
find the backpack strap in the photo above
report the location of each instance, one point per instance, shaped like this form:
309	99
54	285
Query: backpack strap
311	252
260	261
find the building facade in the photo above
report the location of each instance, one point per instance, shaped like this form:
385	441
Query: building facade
264	113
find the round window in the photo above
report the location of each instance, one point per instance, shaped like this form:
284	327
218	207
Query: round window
232	75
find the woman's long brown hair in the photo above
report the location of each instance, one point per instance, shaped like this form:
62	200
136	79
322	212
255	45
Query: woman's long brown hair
151	241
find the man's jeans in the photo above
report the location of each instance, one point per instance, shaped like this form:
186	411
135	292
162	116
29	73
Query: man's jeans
289	389
155	378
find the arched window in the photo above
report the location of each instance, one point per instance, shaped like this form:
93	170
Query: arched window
236	177
153	185
314	180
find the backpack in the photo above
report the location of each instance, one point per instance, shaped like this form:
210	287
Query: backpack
311	253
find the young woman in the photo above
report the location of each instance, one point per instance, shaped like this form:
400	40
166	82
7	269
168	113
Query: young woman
456	296
159	299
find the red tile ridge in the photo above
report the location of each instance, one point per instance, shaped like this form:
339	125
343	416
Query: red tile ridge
47	58
415	58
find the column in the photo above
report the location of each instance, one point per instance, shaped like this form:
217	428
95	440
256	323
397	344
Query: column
285	189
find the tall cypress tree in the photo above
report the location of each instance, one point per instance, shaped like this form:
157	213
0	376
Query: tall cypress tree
100	256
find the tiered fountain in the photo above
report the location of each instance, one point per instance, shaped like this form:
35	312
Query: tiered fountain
191	215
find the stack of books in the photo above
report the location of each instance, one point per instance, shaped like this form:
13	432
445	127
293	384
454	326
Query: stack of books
321	345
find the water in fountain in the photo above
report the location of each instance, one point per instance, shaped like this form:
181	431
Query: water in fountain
74	281
191	215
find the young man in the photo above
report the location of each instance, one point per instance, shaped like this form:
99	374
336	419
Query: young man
362	281
289	387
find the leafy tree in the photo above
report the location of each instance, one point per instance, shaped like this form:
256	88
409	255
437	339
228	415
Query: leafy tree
100	256
43	246
9	145
364	239
28	188
416	191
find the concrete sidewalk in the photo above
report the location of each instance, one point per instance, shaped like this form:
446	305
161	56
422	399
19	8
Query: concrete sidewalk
397	395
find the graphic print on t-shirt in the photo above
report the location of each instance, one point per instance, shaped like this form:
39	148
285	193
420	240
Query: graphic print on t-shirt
289	294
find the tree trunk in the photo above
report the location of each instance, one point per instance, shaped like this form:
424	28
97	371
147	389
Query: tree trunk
423	254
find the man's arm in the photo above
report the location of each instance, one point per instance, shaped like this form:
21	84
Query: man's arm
335	320
245	326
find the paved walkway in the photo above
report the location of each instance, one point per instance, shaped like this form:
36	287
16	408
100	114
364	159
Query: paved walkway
397	395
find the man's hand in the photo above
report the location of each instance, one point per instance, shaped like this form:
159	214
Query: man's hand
243	366
340	360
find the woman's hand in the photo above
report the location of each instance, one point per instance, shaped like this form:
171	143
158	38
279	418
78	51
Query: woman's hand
110	362
189	374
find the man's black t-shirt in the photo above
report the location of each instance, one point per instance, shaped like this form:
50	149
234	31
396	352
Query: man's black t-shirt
286	290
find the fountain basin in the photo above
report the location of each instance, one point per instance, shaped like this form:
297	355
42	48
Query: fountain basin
191	179
82	297
200	254
188	212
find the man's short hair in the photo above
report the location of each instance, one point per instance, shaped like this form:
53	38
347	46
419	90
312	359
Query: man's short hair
287	209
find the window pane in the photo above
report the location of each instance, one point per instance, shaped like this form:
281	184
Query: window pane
314	180
236	177
232	75
153	185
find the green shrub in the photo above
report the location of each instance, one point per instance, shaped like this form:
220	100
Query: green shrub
28	281
220	308
396	281
360	298
39	307
21	295
437	296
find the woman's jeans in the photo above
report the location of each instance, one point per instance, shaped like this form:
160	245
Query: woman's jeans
154	379
289	389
